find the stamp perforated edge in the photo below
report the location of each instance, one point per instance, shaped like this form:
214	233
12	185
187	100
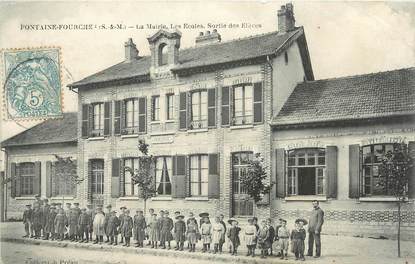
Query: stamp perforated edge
5	116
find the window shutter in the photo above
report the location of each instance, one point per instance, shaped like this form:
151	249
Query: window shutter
13	176
36	181
74	185
258	113
225	111
214	179
142	114
212	107
115	178
48	178
107	118
411	183
183	111
331	171
90	120
89	183
354	171
280	156
85	120
179	177
117	118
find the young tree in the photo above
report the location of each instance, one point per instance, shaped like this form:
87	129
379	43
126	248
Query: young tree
144	175
254	179
65	168
394	177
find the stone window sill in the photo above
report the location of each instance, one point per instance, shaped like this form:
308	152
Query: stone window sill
169	121
96	138
156	122
378	199
197	198
306	198
129	198
162	198
200	130
57	198
241	127
162	133
25	198
129	136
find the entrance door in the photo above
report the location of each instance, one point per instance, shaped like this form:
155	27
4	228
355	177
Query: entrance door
242	204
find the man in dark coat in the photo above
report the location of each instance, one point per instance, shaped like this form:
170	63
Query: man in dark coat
314	229
84	222
45	214
180	232
112	228
139	228
37	219
27	219
49	228
127	228
121	218
166	228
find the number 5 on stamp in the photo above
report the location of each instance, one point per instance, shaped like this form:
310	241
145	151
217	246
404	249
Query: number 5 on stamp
32	83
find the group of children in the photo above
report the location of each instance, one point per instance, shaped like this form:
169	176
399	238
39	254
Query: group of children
75	224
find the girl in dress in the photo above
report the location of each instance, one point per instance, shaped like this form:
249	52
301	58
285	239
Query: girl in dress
250	237
206	230
153	231
192	234
217	233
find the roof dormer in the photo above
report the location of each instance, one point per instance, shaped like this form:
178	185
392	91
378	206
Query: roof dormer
164	48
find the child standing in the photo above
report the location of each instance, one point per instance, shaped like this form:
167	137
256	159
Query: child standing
27	216
297	239
127	228
60	224
250	237
180	232
192	234
217	234
271	235
139	228
206	230
233	235
84	221
112	228
284	235
263	234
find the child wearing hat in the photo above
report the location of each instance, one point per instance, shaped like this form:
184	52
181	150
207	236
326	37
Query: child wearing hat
233	235
192	233
27	216
180	232
284	236
297	239
263	234
121	218
271	235
153	231
106	219
250	237
84	221
60	223
166	229
206	233
160	224
50	222
217	233
139	228
127	228
112	228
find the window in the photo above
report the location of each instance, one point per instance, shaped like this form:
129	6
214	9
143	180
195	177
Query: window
163	174
97	174
131	115
243	104
372	158
199	175
155	108
27	178
131	189
170	106
98	119
163	54
286	58
242	205
63	178
199	110
306	172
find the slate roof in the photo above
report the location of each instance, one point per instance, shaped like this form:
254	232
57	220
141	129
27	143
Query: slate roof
57	130
382	94
199	56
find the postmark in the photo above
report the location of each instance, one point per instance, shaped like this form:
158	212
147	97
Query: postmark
32	83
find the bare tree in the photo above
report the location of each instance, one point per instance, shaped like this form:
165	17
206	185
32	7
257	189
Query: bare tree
65	168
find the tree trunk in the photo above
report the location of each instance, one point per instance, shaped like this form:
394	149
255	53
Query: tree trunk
399	229
145	205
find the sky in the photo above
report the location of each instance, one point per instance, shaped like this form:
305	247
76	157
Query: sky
344	38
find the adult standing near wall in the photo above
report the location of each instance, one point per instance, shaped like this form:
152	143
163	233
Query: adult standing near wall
314	229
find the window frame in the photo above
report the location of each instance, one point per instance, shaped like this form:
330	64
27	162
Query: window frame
98	132
164	183
27	178
95	172
163	52
170	113
241	194
155	111
133	187
199	170
245	119
133	129
199	123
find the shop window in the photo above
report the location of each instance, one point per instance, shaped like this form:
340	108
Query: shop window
27	178
306	172
163	175
199	175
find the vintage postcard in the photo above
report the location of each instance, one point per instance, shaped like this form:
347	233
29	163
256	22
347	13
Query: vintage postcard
207	132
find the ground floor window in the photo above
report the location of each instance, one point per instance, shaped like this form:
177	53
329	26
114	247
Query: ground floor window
199	175
306	172
97	176
131	189
163	175
27	178
64	175
242	204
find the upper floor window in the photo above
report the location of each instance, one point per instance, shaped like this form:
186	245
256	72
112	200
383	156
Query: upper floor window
306	172
98	119
163	54
131	189
131	113
97	176
199	175
243	104
199	110
372	159
163	175
155	108
170	106
27	174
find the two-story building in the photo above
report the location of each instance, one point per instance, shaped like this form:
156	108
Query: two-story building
204	110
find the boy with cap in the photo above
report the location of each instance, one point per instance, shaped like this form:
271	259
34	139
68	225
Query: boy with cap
91	214
37	219
148	220
60	223
284	236
84	222
271	235
112	228
107	217
222	240
27	216
297	239
263	235
50	223
189	218
121	218
192	233
160	224
166	228
206	232
233	235
139	228
67	214
45	214
98	225
127	228
179	232
73	225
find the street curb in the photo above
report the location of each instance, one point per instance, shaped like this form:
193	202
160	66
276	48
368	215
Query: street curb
149	251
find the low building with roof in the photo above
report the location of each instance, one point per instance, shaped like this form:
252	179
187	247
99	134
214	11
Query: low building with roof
328	141
30	159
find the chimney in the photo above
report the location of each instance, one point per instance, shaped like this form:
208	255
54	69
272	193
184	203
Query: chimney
286	20
208	38
131	51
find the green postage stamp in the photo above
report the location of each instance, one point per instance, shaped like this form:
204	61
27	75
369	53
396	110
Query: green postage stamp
32	83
